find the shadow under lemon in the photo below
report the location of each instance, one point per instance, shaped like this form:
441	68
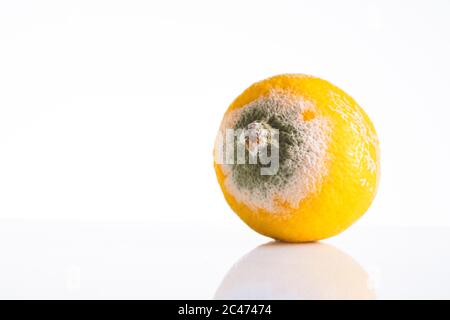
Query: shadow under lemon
296	271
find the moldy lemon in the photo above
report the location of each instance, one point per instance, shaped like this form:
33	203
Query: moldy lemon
325	150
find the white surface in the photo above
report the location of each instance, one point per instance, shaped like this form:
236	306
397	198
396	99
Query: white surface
140	261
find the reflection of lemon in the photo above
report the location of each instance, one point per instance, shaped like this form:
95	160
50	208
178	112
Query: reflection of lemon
296	271
327	171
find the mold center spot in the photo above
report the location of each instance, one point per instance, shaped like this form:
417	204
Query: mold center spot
259	136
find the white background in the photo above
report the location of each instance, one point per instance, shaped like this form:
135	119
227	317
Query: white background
108	114
109	109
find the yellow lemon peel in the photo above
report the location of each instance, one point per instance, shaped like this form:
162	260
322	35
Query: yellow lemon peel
328	163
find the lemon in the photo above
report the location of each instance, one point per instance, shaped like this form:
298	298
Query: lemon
297	158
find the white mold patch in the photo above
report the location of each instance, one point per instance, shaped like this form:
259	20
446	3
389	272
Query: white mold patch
302	162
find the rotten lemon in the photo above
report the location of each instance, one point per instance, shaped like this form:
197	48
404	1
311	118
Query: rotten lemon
297	158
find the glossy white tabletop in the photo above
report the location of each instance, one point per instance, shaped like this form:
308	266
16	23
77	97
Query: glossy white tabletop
74	260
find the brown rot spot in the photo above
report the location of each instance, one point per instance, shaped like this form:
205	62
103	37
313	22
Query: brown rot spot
308	115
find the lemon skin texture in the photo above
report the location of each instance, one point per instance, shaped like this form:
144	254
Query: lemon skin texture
337	193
